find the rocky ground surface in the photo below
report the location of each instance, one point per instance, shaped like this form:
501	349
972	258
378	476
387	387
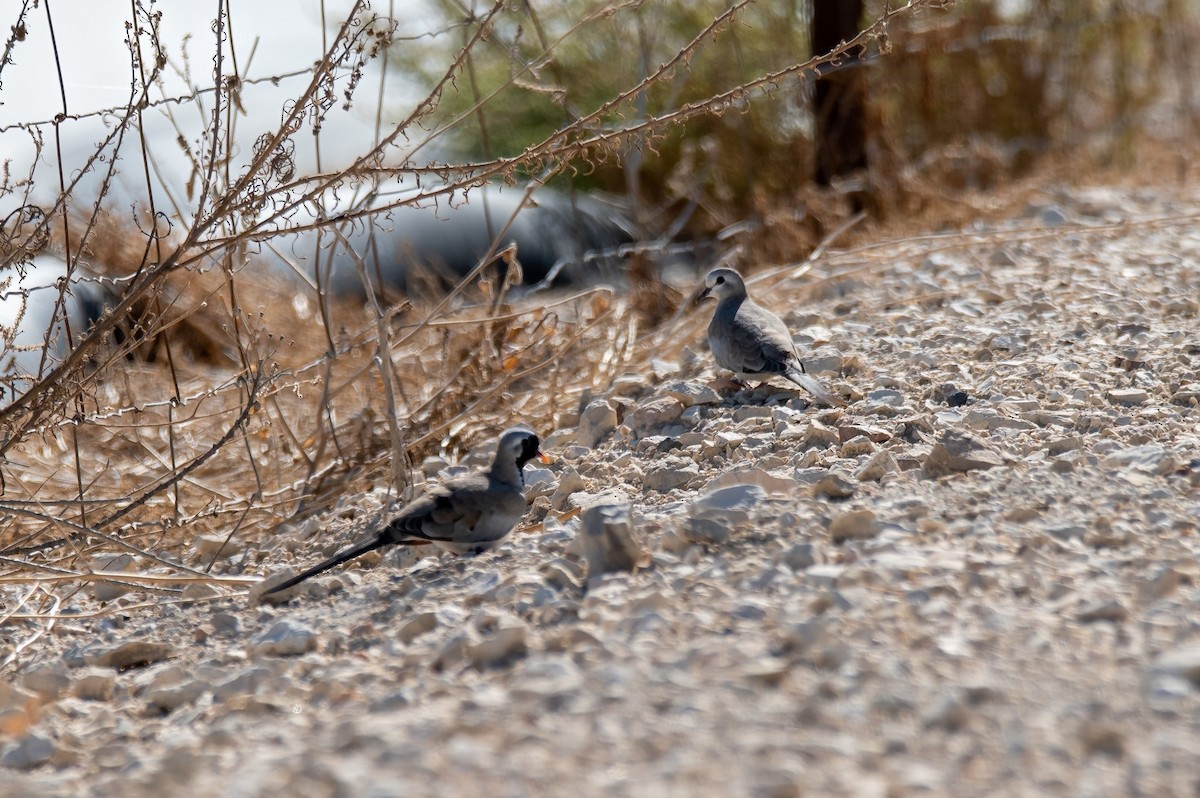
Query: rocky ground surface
981	577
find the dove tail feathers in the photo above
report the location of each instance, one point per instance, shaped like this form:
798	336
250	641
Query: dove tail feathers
815	387
337	559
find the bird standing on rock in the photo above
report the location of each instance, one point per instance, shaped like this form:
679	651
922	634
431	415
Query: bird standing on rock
751	341
470	514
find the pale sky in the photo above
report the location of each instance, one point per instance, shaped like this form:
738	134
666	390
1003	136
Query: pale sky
270	37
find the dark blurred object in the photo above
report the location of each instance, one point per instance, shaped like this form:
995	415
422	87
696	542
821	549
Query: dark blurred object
840	97
569	238
951	394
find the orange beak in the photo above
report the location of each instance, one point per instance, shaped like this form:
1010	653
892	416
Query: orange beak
545	458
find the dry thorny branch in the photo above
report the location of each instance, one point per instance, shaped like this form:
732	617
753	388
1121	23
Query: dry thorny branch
239	412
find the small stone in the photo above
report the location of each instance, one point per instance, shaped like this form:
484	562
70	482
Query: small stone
887	396
1128	396
569	481
1062	466
219	546
552	680
960	451
800	556
834	486
245	683
1104	534
798	639
225	624
729	440
741	497
431	465
94	685
1052	216
827	361
133	654
502	647
848	432
671	473
31	751
818	436
1057	446
596	421
1102	610
747	412
48	681
854	525
562	574
172	688
198	592
628	384
767	672
1102	737
608	540
674	542
1001	257
1182	663
948	714
284	639
1066	531
1162	583
1151	458
453	652
690	394
753	476
539	482
654	414
713	517
259	591
877	467
417	625
15	721
856	447
110	591
713	530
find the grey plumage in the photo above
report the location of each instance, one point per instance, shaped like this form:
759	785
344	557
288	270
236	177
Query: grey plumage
751	341
465	515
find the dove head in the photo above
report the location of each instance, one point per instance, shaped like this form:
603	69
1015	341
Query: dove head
723	283
517	446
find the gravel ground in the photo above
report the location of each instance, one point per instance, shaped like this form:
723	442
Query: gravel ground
979	578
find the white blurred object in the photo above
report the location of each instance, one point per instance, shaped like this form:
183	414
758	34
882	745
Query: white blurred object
32	330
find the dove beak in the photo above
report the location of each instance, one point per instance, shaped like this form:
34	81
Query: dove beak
705	294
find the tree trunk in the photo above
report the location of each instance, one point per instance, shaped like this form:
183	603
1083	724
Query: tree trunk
840	102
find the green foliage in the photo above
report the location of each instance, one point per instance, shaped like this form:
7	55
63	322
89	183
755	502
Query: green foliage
550	62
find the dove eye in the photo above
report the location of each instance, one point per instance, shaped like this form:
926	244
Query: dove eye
720	280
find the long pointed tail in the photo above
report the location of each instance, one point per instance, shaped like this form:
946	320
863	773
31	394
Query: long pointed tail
816	388
337	559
